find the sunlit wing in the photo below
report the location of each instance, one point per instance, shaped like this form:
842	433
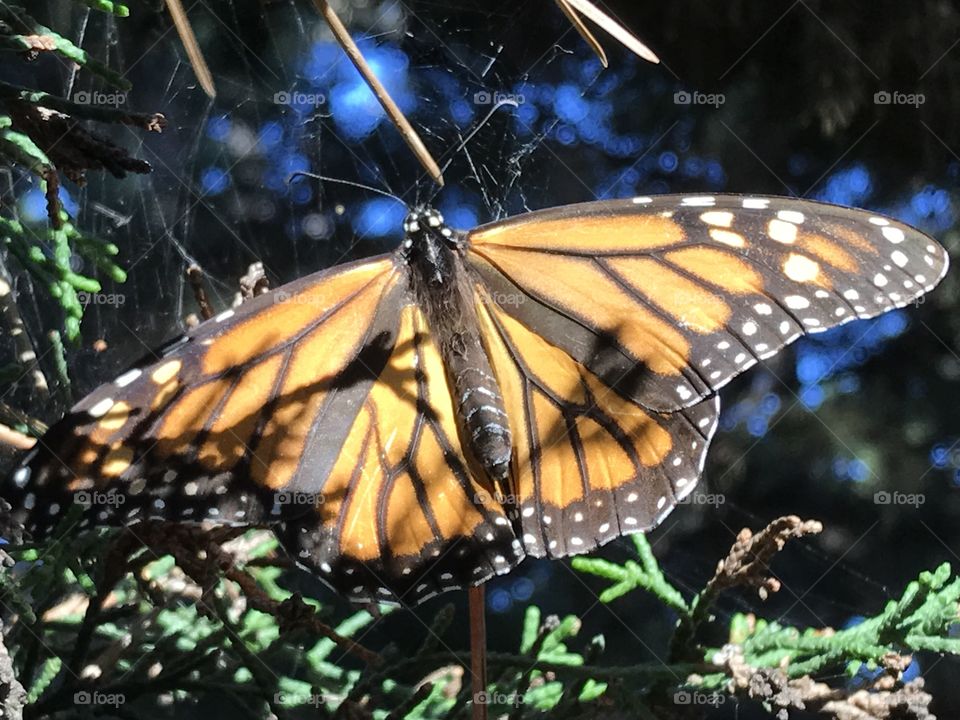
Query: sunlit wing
589	465
212	424
668	298
321	408
402	513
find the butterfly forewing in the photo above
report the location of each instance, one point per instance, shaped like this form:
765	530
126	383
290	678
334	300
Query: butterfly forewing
668	298
213	425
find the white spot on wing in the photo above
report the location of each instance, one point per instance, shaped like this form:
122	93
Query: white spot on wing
894	235
127	378
800	268
21	476
791	216
719	218
101	408
728	238
699	201
782	232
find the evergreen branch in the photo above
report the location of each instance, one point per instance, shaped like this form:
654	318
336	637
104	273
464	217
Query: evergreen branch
920	620
152	122
23	24
107	6
631	576
771	662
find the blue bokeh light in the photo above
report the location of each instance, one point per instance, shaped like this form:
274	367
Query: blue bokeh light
379	217
214	180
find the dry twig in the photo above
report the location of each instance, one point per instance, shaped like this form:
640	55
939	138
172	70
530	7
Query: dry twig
619	32
410	136
190	44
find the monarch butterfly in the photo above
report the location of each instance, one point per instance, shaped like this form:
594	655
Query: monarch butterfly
421	421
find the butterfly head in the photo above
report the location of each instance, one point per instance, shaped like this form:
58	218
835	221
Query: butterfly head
423	223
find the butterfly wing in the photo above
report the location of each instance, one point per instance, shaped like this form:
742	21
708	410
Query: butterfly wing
588	465
320	408
668	298
403	516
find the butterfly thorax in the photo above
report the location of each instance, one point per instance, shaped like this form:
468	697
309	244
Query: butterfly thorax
443	289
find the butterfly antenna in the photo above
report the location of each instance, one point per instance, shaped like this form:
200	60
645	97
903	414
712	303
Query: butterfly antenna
463	143
340	181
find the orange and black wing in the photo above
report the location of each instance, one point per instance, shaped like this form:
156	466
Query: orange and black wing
403	517
321	409
588	464
668	298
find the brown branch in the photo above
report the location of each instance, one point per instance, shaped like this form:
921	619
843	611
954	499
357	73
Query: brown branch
747	564
70	148
294	614
195	276
199	553
886	699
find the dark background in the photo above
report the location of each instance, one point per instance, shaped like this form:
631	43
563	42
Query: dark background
815	431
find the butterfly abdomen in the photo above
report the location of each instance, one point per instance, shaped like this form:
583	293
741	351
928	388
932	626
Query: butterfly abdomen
444	291
480	407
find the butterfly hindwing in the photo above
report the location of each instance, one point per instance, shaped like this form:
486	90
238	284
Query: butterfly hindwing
673	296
589	464
403	517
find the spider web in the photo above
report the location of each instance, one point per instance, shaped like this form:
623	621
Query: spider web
520	120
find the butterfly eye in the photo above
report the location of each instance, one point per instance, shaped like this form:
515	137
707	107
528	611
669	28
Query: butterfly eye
538	387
